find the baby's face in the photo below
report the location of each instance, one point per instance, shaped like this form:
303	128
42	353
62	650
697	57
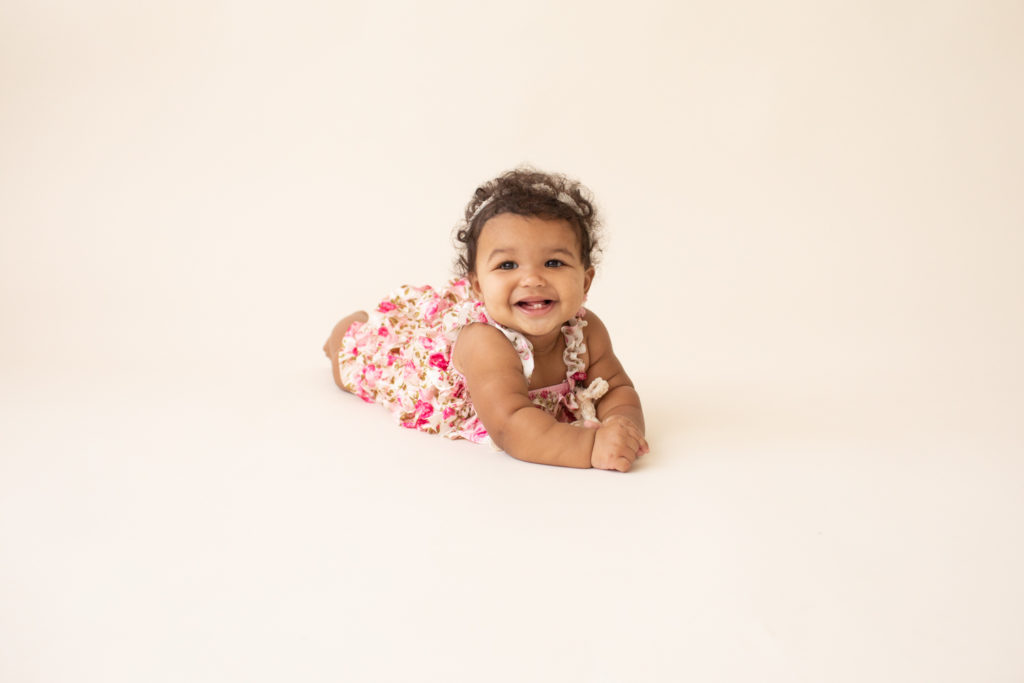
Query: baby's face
529	273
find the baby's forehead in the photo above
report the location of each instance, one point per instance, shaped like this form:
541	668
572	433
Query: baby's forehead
527	238
509	230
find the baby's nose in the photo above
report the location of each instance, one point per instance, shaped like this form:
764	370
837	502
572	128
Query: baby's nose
532	277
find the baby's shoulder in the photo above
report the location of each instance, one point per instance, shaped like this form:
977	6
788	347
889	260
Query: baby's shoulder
595	327
476	333
595	334
480	344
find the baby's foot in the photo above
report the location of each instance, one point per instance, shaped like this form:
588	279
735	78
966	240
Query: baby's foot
331	351
333	343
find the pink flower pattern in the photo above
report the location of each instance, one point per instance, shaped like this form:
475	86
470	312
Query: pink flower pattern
401	359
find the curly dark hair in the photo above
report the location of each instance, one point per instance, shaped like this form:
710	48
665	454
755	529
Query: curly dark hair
528	192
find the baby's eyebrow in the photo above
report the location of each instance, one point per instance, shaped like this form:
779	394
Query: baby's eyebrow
556	250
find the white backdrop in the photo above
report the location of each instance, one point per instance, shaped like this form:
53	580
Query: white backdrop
814	230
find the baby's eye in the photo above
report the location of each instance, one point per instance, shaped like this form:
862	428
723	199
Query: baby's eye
553	263
507	265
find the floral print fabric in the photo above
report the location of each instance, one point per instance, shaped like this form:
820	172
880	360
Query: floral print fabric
401	358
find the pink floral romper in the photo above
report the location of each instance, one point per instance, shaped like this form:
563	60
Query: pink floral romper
401	358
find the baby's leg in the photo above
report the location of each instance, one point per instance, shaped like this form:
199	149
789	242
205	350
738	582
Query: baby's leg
334	341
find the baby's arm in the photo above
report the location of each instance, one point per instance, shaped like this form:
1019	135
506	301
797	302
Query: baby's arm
622	398
620	436
494	377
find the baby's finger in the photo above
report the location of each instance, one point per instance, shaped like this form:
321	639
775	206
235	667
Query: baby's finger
628	453
633	443
638	440
622	464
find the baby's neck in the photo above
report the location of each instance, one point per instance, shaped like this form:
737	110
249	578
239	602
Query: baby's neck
548	344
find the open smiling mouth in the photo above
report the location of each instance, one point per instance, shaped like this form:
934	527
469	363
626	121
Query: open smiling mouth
535	305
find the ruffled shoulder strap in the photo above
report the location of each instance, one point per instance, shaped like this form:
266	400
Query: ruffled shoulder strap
575	370
581	400
522	346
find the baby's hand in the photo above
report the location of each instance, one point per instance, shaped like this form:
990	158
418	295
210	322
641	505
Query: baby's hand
617	444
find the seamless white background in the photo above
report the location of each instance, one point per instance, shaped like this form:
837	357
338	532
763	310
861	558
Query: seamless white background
814	229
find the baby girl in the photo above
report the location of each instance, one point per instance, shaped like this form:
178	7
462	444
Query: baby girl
506	354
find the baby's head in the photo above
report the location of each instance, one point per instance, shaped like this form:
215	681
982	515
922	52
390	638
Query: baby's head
527	192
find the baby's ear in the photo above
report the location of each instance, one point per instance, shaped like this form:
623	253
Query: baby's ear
474	283
588	279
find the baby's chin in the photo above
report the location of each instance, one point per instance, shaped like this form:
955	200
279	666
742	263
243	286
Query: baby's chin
537	329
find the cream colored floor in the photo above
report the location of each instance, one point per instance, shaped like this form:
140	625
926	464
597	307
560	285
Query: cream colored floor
265	529
814	231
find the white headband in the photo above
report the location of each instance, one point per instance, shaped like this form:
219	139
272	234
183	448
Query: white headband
562	197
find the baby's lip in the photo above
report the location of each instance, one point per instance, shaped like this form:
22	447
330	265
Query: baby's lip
535	305
535	300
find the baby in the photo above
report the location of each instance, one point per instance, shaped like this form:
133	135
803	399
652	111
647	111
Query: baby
506	354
